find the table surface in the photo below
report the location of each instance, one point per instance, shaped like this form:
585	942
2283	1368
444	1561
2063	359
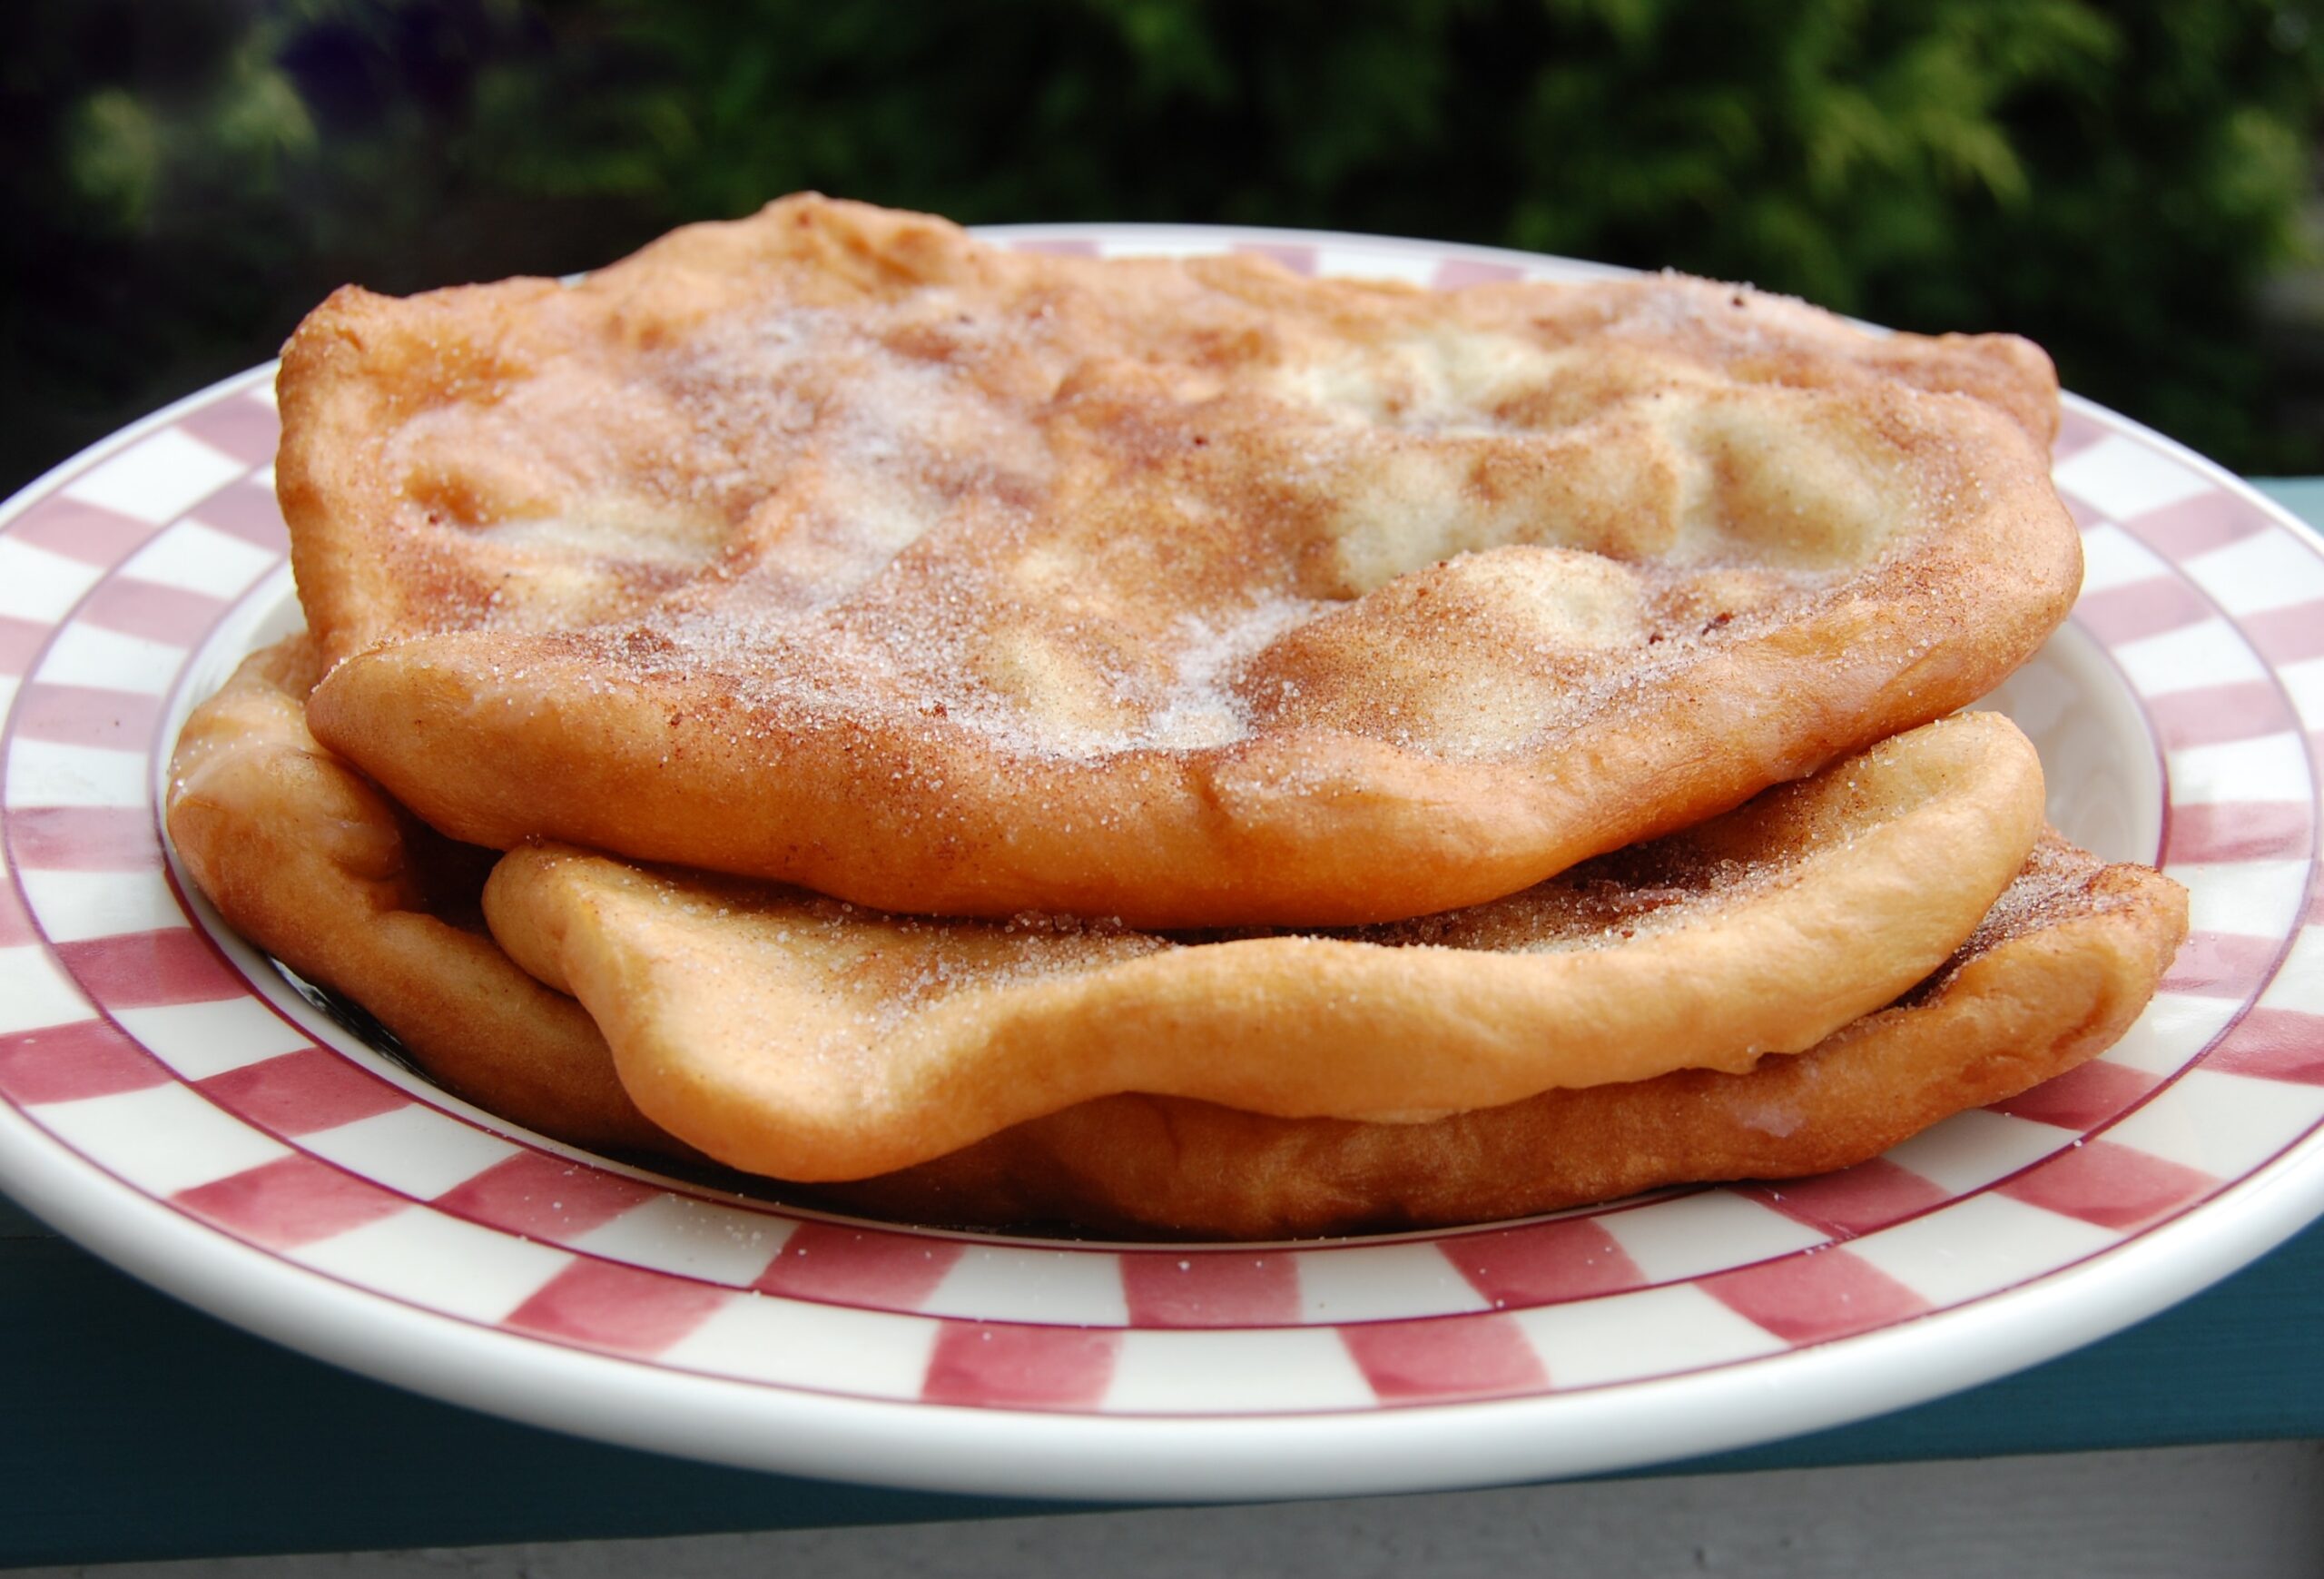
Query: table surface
133	1426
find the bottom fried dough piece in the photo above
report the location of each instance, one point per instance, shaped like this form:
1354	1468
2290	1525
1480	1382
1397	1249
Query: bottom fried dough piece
790	1035
312	863
2065	962
305	858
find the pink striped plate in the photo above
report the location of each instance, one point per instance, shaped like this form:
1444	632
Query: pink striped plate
170	1100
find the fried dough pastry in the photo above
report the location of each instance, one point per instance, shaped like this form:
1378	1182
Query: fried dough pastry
833	546
802	1038
314	865
2054	976
311	863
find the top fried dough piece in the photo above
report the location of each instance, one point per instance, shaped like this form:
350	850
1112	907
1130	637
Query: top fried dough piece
833	546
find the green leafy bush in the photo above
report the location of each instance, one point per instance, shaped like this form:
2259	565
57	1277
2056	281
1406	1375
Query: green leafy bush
2114	180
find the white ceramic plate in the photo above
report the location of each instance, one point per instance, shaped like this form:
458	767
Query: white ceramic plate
169	1101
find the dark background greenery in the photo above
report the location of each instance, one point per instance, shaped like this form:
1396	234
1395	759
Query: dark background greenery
2119	180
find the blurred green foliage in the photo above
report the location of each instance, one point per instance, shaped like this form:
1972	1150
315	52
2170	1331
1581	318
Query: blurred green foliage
2115	180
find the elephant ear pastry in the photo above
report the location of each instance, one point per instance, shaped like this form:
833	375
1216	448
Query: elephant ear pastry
306	860
835	547
807	1039
2053	977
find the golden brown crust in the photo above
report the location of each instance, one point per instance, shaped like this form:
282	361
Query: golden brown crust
833	547
315	867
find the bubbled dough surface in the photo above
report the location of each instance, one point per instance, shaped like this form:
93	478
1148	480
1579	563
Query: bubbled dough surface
833	546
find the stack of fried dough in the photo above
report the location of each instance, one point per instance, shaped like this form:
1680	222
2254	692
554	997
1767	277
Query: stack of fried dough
1167	747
